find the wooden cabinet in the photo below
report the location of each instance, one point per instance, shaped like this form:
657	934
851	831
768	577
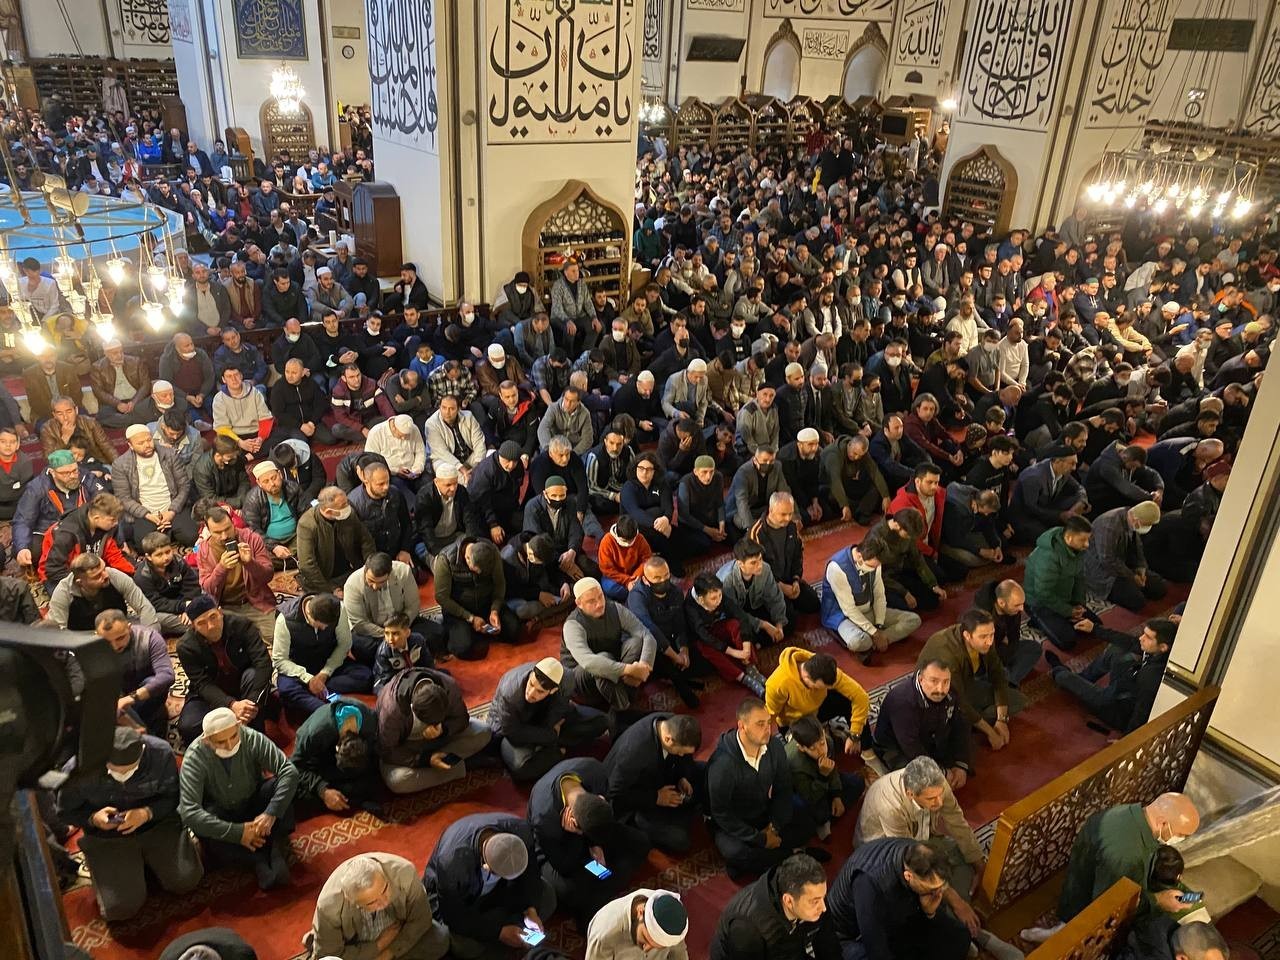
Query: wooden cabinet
370	212
981	188
79	80
576	223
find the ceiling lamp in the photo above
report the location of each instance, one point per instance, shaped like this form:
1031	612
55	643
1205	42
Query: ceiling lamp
286	89
1185	183
653	112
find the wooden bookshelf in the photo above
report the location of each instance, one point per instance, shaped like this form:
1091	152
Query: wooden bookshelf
806	117
770	123
733	126
981	189
79	80
695	123
577	223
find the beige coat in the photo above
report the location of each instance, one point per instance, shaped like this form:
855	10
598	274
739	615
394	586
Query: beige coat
887	811
337	922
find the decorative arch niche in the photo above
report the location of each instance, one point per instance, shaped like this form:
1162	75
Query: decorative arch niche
294	132
780	69
981	188
864	64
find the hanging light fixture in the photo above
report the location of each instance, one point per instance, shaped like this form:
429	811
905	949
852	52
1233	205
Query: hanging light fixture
653	112
287	89
1165	180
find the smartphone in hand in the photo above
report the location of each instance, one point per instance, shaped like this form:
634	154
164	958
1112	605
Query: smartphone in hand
1191	896
599	870
532	934
452	759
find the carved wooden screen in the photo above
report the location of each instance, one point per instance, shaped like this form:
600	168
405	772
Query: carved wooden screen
293	132
694	123
733	126
1097	931
771	124
1033	837
981	189
576	222
806	117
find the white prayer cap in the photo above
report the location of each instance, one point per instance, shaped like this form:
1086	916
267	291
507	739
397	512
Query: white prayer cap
264	468
161	385
403	422
1171	307
585	585
497	355
112	343
323	272
697	365
807	435
215	721
793	369
447	471
136	430
645	375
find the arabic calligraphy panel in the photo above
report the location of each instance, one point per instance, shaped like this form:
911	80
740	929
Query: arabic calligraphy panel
180	21
145	21
651	48
1263	115
560	71
402	72
270	30
728	6
830	9
1014	59
1127	73
824	44
920	33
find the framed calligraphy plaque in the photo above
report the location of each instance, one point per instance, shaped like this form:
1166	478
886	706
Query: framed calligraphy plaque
919	36
727	6
1013	60
824	44
402	72
270	30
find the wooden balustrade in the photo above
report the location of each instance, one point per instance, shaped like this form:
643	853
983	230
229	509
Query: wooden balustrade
1098	931
1034	836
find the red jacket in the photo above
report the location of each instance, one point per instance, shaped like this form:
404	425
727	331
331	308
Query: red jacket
907	497
932	436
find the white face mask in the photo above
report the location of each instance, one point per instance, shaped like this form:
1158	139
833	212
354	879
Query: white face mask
467	319
342	514
989	347
522	288
619	336
293	337
893	361
119	777
1143	531
228	753
738	329
373	331
187	356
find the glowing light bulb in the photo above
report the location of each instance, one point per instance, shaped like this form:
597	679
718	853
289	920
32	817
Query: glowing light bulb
175	300
1224	197
1131	201
1197	193
949	105
1161	205
116	268
1195	209
106	328
153	313
1096	191
34	340
158	278
1147	188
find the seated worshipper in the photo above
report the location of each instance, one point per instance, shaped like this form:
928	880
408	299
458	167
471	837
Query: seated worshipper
153	486
567	417
424	732
753	483
1120	477
550	513
680	445
241	412
455	438
1124	704
245	357
309	650
700	515
853	481
384	512
574	826
658	602
810	684
399	442
655	784
558	459
622	555
925	495
824	792
1120	842
91	587
120	384
47	381
336	753
971	527
483	874
16	471
606	650
782	914
146	672
471	588
757	421
66	424
381	589
173	432
374	906
495	489
536	587
299	405
332	542
718	635
128	815
225	798
1046	494
854	604
895	453
639	399
91	528
235	569
1055	583
1005	601
754	595
168	581
608	465
984	696
445	514
299	464
272	510
358	405
190	370
400	649
757	822
227	665
1115	565
920	718
1176	545
887	903
928	433
648	924
220	474
916	802
779	536
536	721
806	479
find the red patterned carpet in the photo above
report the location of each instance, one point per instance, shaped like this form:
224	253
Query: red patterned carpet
1049	738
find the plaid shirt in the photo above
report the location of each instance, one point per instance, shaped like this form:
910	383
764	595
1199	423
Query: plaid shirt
548	378
464	388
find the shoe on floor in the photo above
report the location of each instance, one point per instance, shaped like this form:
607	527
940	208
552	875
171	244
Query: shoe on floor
1054	661
1040	934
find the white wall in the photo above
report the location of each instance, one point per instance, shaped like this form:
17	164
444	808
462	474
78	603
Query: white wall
710	82
863	74
189	57
49	35
348	76
782	72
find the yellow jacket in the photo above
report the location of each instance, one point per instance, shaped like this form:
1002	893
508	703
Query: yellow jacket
788	699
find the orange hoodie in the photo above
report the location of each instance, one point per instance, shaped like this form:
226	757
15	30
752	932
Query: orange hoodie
623	564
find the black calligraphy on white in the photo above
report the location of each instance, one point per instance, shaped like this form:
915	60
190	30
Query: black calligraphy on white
1263	116
402	71
563	75
1014	59
651	48
1127	75
145	21
920	33
830	9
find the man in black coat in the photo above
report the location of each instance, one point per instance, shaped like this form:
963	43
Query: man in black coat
484	883
220	474
227	665
532	714
495	490
1134	670
336	753
168	581
896	454
919	718
757	823
574	825
781	916
654	782
887	903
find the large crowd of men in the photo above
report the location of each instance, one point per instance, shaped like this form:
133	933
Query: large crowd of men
813	346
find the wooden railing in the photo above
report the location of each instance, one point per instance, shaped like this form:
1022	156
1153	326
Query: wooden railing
1033	837
1097	931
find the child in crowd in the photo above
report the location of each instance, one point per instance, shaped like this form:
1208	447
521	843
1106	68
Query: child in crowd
400	650
718	635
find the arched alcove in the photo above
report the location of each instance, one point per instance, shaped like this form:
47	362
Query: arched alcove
781	75
863	72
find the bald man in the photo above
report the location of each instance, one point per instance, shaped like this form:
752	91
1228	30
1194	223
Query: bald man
1120	842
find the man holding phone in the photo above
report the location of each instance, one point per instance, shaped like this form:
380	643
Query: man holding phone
310	651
